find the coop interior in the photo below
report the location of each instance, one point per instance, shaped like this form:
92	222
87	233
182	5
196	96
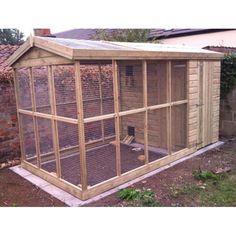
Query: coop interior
144	122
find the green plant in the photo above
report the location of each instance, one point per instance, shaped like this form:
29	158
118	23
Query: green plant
228	75
138	198
204	175
128	194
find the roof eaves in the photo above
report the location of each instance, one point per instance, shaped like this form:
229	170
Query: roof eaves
54	47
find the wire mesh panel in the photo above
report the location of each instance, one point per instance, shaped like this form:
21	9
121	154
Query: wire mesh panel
69	152
24	95
179	127
97	89
42	100
157	82
109	127
93	131
28	137
130	85
157	134
64	80
100	153
107	89
46	144
132	141
178	80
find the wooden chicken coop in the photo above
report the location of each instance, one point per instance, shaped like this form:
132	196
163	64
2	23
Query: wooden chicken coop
96	114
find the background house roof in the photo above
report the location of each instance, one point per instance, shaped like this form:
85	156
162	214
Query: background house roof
5	52
86	34
154	33
170	33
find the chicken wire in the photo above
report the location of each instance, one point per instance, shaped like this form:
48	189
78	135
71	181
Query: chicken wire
24	95
97	89
130	84
157	132
28	136
65	90
41	89
178	80
100	151
179	127
157	82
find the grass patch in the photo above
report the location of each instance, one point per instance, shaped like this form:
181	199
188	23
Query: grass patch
138	198
215	190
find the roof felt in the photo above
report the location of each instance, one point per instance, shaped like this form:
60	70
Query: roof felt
88	44
124	46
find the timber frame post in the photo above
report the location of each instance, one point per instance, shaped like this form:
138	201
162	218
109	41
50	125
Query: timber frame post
35	122
80	116
145	104
117	117
53	120
169	141
22	145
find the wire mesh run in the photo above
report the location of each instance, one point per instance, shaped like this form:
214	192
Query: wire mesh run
28	137
162	131
178	80
65	94
157	133
100	151
97	89
178	127
130	84
24	95
40	82
46	145
157	82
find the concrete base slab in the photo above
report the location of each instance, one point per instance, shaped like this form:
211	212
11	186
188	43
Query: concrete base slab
72	201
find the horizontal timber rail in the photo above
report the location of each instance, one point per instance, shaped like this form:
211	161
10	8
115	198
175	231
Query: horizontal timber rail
102	117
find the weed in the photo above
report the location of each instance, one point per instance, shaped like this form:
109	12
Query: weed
204	175
128	194
138	198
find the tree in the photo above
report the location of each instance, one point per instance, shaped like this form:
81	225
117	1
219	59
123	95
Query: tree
122	35
11	36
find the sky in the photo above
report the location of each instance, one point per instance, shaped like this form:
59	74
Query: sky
64	15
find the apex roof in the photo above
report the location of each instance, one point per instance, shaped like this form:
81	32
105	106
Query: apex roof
74	49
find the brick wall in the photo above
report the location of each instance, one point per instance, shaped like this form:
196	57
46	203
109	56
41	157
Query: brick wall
228	115
9	140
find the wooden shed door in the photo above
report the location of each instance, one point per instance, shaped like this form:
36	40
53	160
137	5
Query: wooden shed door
205	104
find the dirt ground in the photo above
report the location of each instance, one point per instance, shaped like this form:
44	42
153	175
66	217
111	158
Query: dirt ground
15	191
